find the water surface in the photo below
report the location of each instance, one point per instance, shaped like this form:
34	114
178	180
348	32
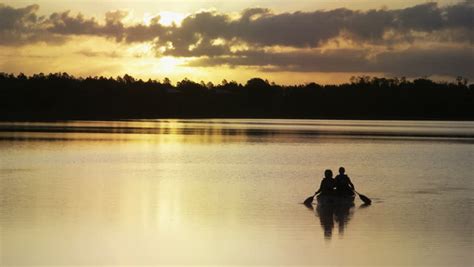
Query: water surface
229	192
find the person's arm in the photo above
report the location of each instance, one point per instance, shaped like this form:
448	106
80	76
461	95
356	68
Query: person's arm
319	190
351	185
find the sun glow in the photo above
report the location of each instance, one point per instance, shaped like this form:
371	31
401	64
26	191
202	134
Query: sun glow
169	64
141	50
167	18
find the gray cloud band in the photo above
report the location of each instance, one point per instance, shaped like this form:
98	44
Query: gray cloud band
412	62
215	37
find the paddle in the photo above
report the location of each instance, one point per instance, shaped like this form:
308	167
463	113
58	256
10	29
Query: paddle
309	200
364	199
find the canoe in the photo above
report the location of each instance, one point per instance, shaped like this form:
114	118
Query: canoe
335	200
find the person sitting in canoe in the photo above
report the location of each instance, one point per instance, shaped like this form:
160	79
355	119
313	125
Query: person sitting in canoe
343	184
325	189
327	184
341	187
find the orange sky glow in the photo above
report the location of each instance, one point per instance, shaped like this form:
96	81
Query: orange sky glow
283	41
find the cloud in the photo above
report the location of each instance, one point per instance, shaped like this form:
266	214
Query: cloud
260	27
337	60
15	19
91	53
141	33
19	26
65	24
411	62
256	26
416	62
436	40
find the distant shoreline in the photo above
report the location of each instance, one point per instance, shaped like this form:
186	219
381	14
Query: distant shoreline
62	119
62	97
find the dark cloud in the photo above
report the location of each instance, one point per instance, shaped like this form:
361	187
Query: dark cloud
260	27
340	60
15	19
413	62
19	26
460	15
257	26
213	37
416	62
91	53
203	47
65	24
142	33
426	17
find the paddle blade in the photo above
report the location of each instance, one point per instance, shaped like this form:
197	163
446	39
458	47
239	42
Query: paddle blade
309	201
365	199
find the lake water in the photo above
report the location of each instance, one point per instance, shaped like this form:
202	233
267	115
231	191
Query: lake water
229	192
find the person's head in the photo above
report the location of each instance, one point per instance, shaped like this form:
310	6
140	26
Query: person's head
328	174
342	170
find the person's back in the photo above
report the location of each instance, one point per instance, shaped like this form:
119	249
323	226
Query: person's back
343	184
327	184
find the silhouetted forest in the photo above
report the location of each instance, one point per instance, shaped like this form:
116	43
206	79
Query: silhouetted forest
60	96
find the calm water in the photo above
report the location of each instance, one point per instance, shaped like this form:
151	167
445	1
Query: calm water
229	192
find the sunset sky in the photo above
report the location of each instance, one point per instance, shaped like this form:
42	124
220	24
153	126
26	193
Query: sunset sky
285	41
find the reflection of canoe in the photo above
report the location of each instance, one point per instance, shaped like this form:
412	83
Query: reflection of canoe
335	200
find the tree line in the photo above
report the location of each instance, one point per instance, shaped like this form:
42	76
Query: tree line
58	96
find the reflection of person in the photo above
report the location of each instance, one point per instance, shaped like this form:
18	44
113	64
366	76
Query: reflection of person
343	184
342	215
327	184
326	218
331	215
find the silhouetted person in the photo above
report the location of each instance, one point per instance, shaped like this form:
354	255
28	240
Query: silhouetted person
343	184
327	184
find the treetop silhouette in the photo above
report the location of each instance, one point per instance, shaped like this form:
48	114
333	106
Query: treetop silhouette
63	96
